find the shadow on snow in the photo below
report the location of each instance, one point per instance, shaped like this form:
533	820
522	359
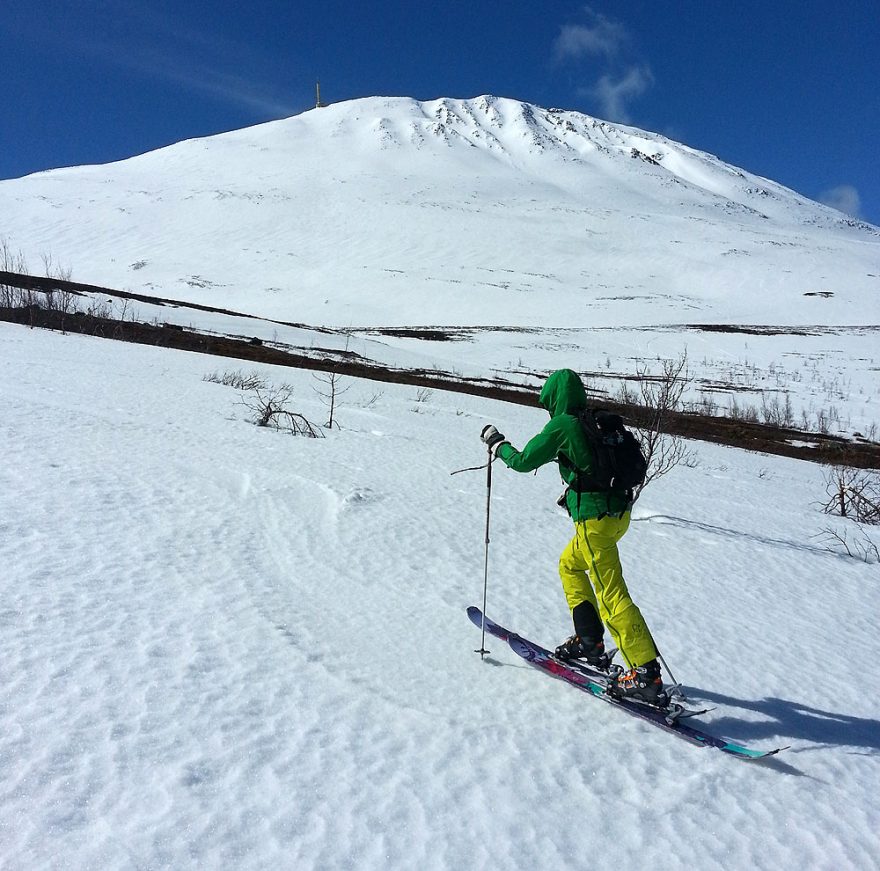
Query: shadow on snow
795	721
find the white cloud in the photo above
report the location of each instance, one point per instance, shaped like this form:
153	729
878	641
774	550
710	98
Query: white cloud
606	40
845	198
601	36
156	46
187	72
221	84
614	92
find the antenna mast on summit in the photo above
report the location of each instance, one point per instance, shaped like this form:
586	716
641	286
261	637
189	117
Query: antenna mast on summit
318	103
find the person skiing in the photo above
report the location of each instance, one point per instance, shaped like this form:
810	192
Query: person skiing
600	519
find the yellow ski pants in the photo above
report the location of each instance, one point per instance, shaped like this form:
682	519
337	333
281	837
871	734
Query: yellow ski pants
592	556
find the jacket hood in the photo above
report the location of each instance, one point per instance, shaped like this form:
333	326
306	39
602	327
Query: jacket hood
563	393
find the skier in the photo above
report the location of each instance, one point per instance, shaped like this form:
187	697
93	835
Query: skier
601	519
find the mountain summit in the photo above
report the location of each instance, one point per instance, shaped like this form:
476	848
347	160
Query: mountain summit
481	211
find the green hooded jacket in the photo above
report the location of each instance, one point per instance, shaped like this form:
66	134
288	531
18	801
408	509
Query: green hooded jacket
562	440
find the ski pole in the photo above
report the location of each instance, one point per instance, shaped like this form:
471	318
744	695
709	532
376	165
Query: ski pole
676	686
482	651
676	690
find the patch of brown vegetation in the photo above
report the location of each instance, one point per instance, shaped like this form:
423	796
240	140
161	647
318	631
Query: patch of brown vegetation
721	430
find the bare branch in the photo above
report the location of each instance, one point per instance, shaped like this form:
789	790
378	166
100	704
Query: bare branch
853	493
861	547
657	395
331	381
268	406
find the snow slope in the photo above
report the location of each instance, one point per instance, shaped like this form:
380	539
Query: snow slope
224	647
604	247
386	211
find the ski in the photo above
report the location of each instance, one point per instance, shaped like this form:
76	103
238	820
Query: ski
674	711
597	674
543	659
479	620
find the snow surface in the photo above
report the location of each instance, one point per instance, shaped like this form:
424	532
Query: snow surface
602	245
826	371
225	647
480	211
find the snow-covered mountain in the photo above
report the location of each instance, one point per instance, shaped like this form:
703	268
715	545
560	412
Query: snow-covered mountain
483	211
223	647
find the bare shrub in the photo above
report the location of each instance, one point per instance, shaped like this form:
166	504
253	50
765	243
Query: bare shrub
51	269
421	400
854	543
62	301
777	413
706	405
13	261
121	312
268	405
627	394
853	493
238	379
805	420
373	400
55	300
745	413
100	308
657	396
329	392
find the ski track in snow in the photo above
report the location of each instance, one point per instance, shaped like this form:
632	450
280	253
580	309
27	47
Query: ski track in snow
225	647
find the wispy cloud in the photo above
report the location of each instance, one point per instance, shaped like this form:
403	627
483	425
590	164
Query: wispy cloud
196	76
601	48
845	198
614	92
159	47
599	37
218	83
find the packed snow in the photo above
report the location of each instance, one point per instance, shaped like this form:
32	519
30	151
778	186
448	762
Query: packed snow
226	647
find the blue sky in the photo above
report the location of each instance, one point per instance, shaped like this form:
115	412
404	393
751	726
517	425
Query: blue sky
787	89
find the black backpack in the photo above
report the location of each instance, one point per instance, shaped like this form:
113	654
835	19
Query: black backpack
618	461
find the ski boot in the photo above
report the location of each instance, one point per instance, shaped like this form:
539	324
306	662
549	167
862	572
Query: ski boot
591	652
641	684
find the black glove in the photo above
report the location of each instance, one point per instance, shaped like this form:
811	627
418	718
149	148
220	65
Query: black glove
492	438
